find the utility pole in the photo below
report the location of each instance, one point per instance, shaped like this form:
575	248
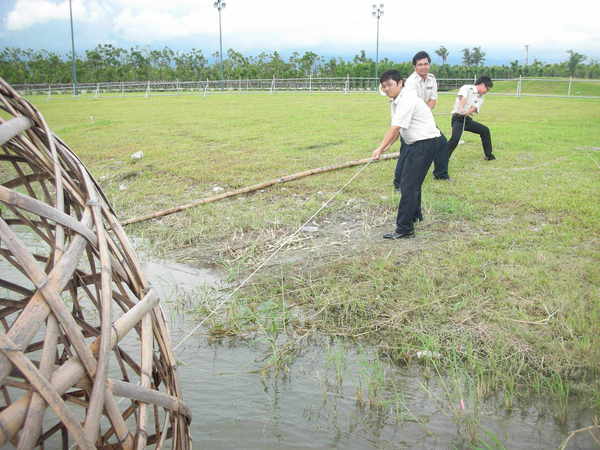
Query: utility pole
73	67
220	5
377	13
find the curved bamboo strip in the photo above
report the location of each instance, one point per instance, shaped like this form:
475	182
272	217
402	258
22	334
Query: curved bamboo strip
85	354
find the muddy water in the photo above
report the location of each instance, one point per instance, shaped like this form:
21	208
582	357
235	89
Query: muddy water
322	402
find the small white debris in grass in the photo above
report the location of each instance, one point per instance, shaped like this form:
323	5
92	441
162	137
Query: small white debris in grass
428	354
310	229
137	155
123	187
218	189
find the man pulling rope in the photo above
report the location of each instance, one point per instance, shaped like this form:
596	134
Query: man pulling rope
413	120
468	102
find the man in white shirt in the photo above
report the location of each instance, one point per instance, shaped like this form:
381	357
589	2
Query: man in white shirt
468	102
413	120
423	82
425	85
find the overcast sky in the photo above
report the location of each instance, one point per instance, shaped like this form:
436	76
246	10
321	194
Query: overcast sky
327	27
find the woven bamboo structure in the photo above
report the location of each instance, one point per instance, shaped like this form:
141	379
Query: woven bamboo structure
85	355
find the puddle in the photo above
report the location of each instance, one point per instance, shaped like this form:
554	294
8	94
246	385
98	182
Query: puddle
315	406
323	401
172	279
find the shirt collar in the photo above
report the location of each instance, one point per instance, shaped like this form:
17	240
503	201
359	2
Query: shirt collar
419	77
397	99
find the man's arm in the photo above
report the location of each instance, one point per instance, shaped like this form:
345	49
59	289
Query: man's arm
462	101
390	137
433	100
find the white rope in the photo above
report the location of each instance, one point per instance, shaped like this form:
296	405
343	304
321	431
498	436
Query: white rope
460	139
261	265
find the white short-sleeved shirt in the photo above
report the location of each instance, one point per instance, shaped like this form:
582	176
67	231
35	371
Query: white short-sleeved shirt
469	91
426	88
413	116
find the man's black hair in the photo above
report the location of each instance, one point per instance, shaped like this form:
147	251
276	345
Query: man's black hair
485	80
420	55
391	75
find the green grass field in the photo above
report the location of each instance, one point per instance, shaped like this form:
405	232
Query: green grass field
579	87
503	279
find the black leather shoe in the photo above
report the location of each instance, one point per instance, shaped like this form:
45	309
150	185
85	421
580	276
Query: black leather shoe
490	157
441	178
394	235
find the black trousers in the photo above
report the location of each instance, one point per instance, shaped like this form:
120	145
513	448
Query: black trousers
417	160
472	126
440	164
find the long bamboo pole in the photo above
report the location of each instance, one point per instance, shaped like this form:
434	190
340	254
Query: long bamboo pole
254	187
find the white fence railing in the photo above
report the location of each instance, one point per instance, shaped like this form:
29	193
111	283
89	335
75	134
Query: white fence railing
543	87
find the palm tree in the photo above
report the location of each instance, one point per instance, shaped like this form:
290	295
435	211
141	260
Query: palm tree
467	57
477	56
442	52
574	60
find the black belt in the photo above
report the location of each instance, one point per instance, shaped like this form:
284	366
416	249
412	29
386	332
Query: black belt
459	116
423	141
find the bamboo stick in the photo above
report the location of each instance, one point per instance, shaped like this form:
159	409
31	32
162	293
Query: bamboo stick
45	389
142	394
35	414
146	369
25	179
92	422
14	198
255	187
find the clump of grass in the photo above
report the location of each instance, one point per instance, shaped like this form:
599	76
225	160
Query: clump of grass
336	359
372	380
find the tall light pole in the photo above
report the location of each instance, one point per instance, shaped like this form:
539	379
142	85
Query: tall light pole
377	13
526	55
73	68
220	4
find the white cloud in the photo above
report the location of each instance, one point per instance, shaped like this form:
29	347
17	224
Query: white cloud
147	24
318	24
27	13
31	12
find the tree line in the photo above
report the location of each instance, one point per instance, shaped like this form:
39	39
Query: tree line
110	63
